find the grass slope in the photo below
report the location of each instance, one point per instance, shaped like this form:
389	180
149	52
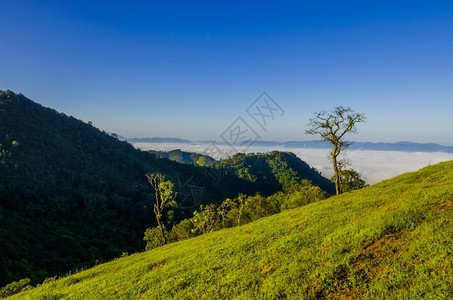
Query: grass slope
389	241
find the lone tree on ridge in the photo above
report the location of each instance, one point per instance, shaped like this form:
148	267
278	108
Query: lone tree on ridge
333	126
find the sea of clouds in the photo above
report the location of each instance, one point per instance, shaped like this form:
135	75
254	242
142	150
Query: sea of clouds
374	166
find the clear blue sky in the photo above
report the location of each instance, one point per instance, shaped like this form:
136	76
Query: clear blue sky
189	69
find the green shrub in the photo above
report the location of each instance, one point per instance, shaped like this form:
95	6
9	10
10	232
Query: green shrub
181	231
14	287
153	238
302	194
205	219
257	207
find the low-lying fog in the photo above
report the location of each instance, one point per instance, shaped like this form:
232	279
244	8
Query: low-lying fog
374	166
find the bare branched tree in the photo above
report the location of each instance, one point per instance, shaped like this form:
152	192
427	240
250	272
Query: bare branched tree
333	126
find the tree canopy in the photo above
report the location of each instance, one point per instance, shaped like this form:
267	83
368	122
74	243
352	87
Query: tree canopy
332	127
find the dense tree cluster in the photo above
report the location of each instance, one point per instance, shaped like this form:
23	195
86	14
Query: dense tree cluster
237	211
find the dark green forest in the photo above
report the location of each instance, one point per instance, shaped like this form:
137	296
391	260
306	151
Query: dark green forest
72	196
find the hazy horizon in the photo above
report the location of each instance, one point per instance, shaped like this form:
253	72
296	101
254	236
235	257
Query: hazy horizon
307	139
374	166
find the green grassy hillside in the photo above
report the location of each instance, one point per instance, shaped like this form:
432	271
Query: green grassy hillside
393	240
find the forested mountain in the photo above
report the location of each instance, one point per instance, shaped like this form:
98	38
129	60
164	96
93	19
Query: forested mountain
72	196
272	171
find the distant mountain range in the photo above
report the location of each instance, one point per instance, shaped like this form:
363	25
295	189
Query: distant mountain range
399	146
159	140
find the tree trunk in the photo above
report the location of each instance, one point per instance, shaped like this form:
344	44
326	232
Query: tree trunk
337	171
164	240
158	214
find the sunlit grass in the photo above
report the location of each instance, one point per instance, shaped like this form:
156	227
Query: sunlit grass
393	240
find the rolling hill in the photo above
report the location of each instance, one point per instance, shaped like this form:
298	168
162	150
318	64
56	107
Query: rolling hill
72	196
392	240
271	171
185	157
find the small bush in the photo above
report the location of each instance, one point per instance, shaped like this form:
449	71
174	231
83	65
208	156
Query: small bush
181	231
14	287
302	194
153	238
205	218
258	207
50	279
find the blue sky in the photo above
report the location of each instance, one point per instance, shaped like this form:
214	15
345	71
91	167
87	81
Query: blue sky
188	70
